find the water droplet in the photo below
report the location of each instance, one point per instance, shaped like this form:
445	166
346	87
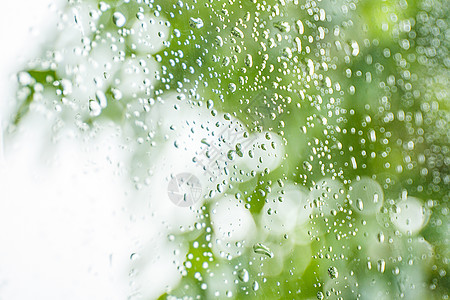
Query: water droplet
353	160
209	104
396	271
311	67
94	108
380	237
219	41
307	166
195	22
300	27
287	52
283	26
117	94
355	48
372	135
243	275
320	295
231	154
298	44
255	286
134	256
101	98
381	265
333	272
248	61
205	141
359	204
232	87
24	78
237	32
225	61
260	248
119	19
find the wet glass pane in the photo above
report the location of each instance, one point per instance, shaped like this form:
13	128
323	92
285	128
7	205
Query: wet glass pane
212	149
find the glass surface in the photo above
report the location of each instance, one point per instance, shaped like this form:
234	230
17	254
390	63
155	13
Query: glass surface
277	149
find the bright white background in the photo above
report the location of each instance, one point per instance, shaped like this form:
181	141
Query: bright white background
62	217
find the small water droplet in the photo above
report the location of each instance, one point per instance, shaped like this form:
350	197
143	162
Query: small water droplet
134	256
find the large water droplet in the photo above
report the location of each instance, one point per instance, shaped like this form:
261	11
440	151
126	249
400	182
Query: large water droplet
359	204
119	19
300	27
195	22
101	98
283	26
307	166
381	265
232	87
260	248
248	61
298	44
94	108
237	32
380	237
320	295
243	275
333	272
219	41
